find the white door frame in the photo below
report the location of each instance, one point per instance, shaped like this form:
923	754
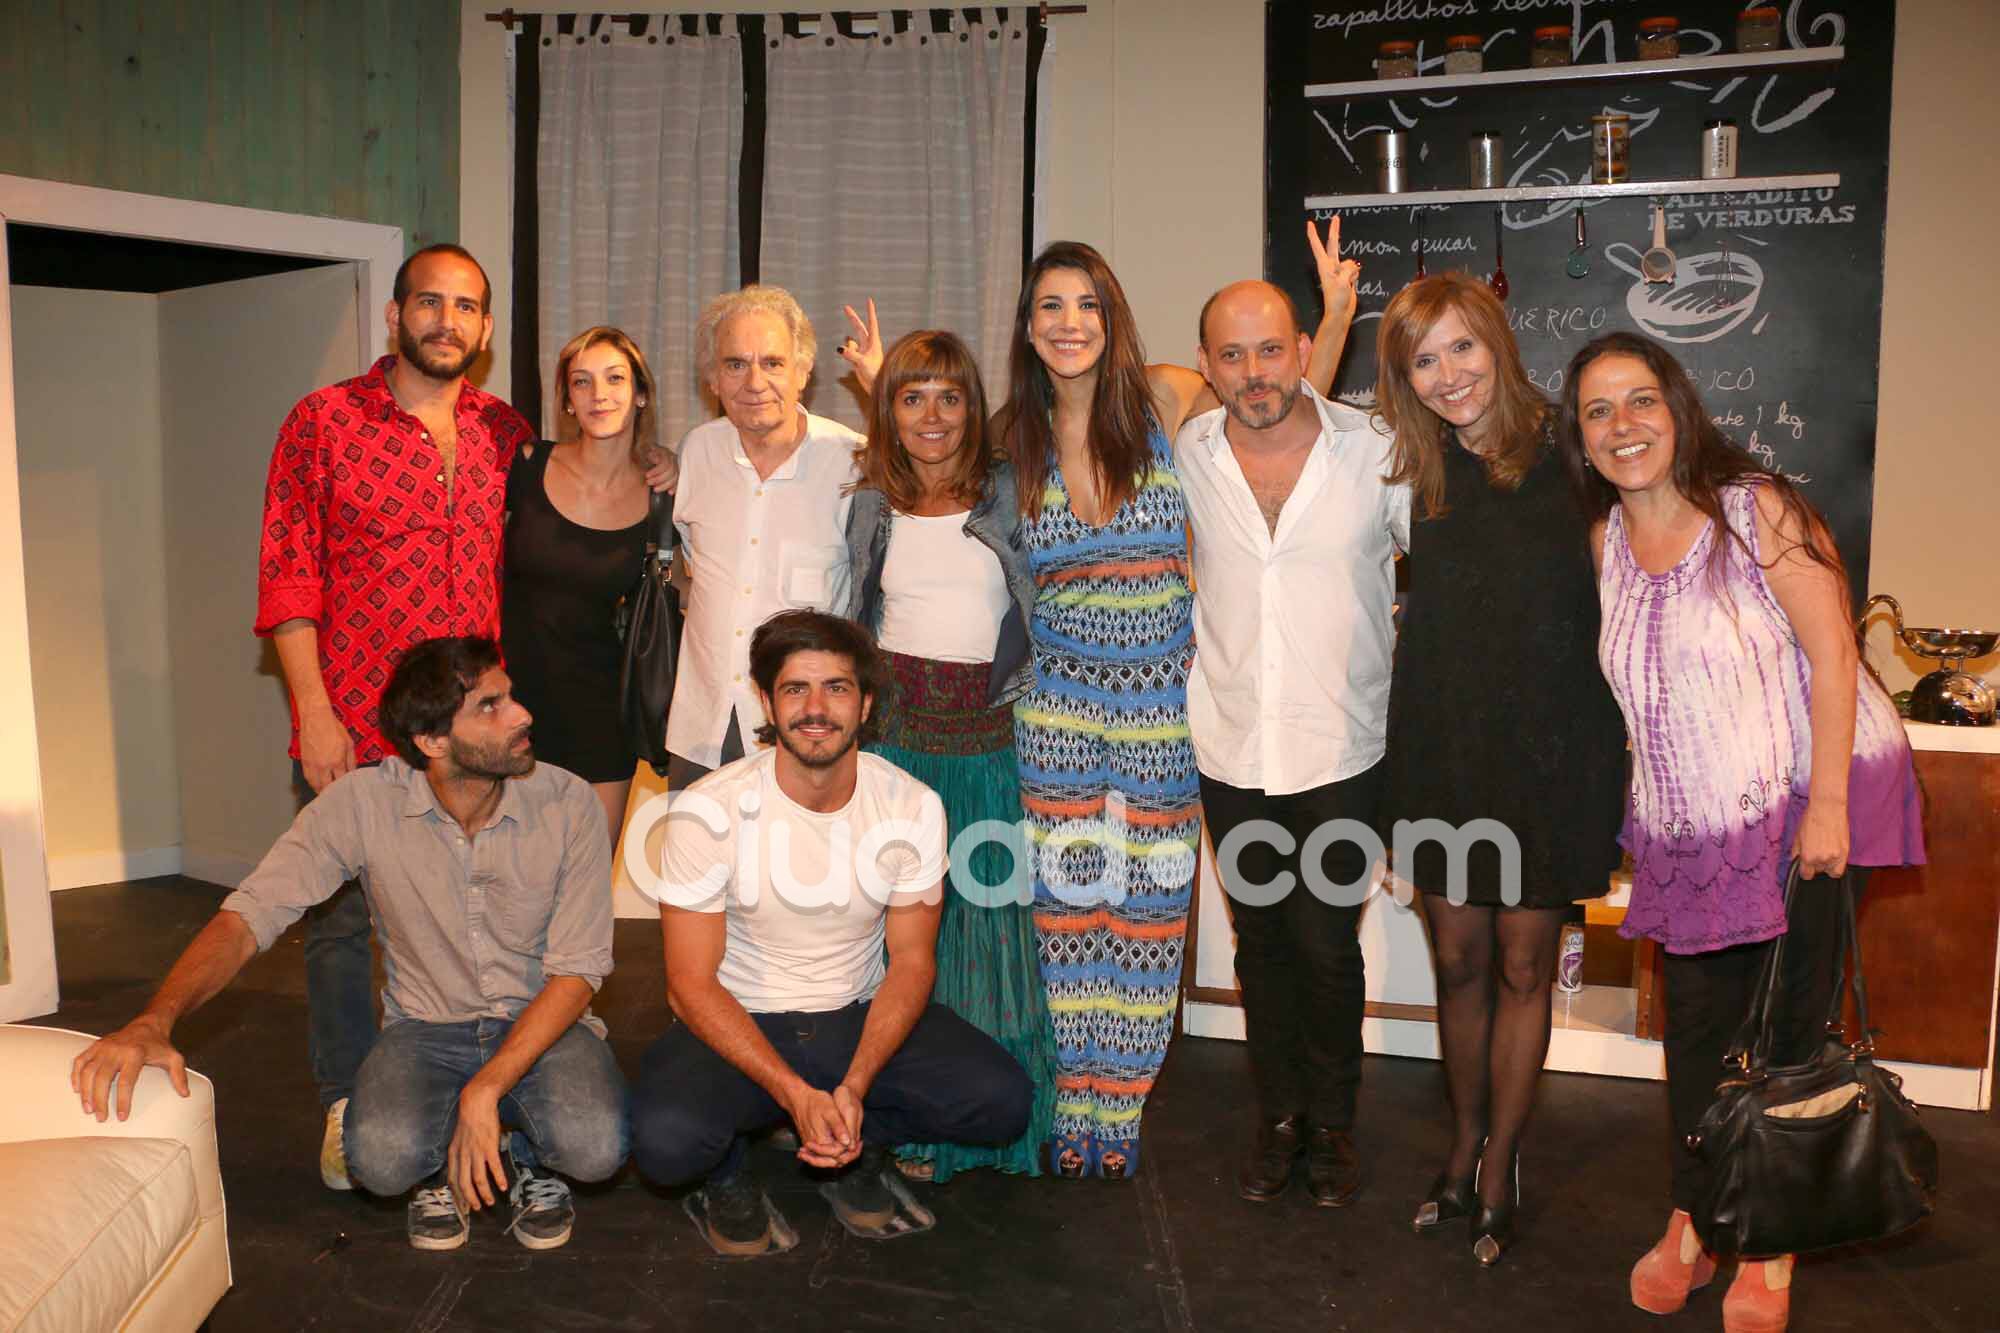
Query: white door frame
31	989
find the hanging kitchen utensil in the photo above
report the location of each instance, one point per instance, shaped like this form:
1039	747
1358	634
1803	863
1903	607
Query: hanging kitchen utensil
1578	264
1420	245
1498	282
1657	264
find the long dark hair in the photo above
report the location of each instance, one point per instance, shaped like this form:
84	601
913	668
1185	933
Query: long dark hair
924	356
1421	434
1706	461
1121	411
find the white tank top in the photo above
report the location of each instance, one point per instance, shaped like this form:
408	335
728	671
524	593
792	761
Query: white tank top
943	592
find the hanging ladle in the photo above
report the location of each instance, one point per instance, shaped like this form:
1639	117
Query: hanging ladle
1657	264
1420	244
1498	282
1578	264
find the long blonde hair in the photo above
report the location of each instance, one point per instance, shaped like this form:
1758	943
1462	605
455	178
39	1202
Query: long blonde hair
645	445
1421	434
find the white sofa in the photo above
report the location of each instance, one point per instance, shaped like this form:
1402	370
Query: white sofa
116	1225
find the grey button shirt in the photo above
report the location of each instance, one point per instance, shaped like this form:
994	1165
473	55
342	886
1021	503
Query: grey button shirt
471	926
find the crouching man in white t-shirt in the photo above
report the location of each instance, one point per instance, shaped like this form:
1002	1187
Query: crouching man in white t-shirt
783	876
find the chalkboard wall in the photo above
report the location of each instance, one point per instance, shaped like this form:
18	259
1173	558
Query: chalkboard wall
1777	298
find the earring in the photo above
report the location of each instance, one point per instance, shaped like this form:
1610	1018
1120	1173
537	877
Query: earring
568	411
642	402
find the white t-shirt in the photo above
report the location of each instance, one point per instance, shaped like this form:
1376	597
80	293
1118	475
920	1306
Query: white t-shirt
943	592
805	892
755	547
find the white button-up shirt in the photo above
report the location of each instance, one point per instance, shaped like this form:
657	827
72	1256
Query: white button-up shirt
755	546
1293	637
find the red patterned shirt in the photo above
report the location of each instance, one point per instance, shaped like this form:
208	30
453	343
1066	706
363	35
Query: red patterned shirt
361	537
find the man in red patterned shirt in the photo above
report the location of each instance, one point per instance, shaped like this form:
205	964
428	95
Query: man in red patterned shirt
382	528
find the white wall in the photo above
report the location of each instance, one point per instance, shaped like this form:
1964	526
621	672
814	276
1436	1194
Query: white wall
1156	157
87	380
228	693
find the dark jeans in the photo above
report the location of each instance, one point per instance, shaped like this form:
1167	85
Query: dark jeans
681	772
1709	996
1298	959
340	980
569	1106
948	1083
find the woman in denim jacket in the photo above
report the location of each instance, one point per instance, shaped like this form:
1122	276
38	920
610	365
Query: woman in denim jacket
940	577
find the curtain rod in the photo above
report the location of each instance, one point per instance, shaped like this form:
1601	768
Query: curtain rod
508	18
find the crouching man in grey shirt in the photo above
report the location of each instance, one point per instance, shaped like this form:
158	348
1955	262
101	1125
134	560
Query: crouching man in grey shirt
489	881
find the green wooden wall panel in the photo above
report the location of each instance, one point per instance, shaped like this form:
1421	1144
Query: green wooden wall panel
336	108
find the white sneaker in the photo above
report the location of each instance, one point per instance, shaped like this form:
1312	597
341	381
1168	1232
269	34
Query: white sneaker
333	1149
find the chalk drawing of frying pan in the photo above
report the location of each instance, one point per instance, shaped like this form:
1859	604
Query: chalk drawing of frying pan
1711	293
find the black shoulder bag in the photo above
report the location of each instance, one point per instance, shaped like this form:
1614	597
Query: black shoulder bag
1811	1156
648	619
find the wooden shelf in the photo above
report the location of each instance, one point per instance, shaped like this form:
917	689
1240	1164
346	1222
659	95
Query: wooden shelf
1512	194
1682	67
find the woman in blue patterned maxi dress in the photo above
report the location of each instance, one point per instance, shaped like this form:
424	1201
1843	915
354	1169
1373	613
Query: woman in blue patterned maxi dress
1108	782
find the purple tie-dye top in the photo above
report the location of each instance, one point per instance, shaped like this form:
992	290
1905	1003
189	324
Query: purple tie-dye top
1715	689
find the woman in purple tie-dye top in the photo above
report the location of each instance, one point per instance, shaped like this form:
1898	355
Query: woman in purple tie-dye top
1757	741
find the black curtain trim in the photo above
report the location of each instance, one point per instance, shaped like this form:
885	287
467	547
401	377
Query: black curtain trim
525	330
750	169
1038	40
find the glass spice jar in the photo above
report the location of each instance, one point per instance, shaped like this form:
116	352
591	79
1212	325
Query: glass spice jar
1396	60
1551	47
1659	38
1464	54
1757	29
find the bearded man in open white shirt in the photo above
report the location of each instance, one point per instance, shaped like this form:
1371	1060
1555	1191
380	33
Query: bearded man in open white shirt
1295	540
761	510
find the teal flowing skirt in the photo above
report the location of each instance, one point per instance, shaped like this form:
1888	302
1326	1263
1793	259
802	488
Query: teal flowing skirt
938	729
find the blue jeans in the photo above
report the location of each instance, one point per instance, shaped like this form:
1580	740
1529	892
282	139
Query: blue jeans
569	1106
340	980
948	1083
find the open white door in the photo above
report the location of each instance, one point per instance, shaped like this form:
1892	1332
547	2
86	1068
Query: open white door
234	358
28	960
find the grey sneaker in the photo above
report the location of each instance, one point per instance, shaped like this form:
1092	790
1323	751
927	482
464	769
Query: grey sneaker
333	1148
861	1195
544	1212
435	1220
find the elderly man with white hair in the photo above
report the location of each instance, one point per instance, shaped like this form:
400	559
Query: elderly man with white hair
762	512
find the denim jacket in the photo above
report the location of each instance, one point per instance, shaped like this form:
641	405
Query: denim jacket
995	520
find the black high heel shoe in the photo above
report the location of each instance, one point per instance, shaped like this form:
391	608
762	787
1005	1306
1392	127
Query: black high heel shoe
1447	1201
1493	1223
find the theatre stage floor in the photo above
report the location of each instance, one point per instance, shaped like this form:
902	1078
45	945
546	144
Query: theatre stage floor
1174	1250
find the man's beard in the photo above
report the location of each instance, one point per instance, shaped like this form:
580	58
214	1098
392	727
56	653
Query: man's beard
1288	394
494	761
434	359
819	758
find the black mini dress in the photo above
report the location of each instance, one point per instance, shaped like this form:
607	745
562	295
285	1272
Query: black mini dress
1497	707
560	586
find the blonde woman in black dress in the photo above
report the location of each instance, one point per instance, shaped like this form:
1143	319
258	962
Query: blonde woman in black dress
576	534
1497	710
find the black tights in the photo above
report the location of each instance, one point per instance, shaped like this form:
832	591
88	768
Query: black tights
1493	1024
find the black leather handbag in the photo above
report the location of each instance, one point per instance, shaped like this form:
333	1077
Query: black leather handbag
1807	1157
648	619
